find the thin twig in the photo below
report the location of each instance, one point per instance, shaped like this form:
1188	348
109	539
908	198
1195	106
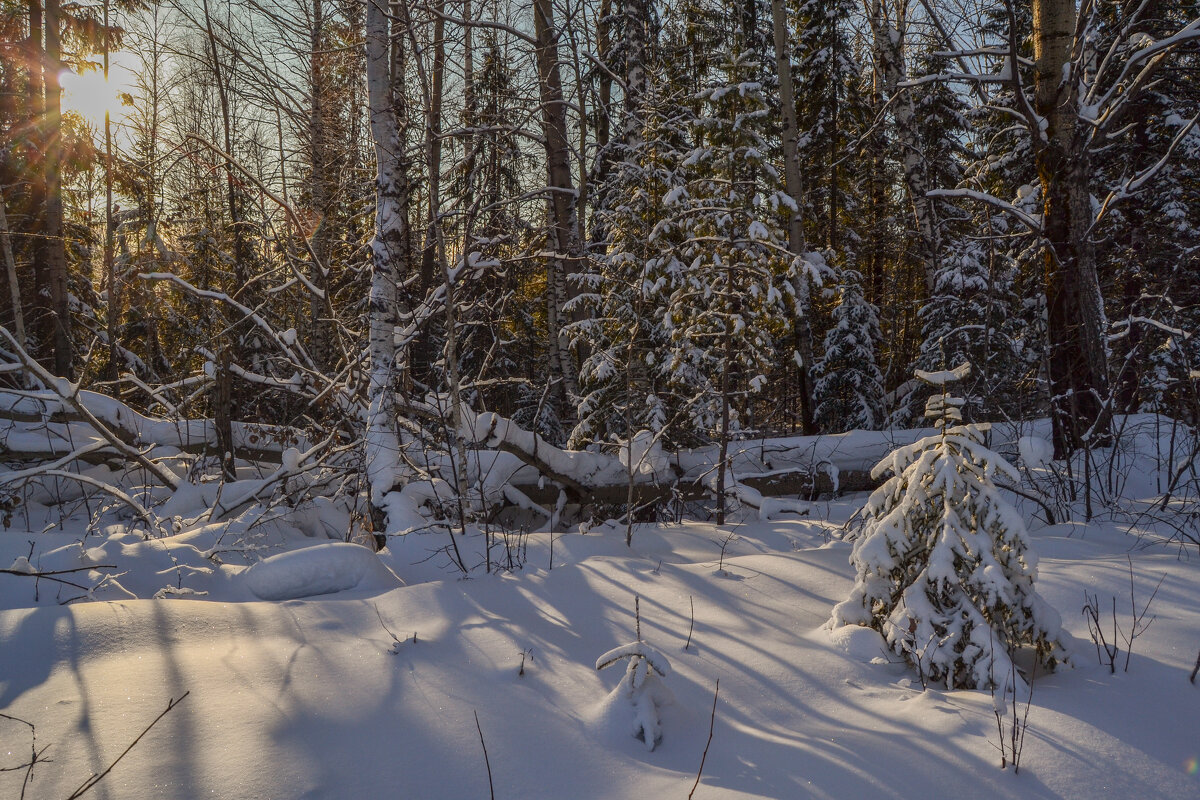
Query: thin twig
711	722
486	763
1195	669
691	623
48	573
1136	626
92	781
395	638
35	755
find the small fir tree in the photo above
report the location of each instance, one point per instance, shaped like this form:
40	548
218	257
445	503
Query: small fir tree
944	568
849	386
641	684
972	316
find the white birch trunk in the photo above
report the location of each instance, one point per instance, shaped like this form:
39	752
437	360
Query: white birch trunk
382	454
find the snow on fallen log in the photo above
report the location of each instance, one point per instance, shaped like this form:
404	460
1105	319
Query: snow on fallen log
796	465
320	569
44	425
831	454
579	471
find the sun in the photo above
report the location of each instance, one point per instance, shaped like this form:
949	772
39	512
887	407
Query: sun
90	95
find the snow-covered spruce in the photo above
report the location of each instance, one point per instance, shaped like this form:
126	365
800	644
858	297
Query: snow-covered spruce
849	386
944	568
643	686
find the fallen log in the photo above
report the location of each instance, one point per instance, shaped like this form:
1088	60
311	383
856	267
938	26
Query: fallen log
806	486
62	427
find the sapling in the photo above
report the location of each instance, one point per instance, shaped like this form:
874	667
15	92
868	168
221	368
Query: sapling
944	569
642	684
1106	651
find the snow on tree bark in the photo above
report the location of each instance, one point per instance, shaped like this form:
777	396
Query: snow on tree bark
388	249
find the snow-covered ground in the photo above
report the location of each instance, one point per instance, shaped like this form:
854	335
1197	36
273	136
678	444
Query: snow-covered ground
372	690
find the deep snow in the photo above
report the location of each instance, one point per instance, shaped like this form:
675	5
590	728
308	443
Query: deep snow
370	692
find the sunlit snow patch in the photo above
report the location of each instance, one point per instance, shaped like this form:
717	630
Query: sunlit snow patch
320	569
859	643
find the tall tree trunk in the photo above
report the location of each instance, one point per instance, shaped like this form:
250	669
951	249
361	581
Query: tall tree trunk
223	393
832	240
389	250
470	111
889	37
110	229
10	275
433	150
564	223
41	326
637	79
801	325
55	243
320	307
1076	359
154	355
604	46
877	201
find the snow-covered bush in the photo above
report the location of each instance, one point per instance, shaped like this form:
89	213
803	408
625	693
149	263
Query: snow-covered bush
642	685
944	568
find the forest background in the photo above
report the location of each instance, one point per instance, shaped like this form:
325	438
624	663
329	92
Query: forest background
331	224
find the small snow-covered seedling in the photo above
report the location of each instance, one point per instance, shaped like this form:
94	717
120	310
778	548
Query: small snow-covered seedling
642	684
944	569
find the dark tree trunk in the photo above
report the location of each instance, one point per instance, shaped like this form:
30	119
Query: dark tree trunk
564	222
55	252
1076	360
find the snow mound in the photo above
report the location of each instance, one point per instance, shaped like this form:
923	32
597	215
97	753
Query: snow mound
320	569
1035	451
858	642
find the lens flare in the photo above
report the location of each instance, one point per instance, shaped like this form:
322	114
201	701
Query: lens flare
1192	766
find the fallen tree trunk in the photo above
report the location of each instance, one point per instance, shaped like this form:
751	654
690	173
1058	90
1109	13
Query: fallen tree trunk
799	484
806	467
66	427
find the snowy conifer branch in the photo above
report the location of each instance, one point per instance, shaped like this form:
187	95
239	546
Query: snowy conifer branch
1008	208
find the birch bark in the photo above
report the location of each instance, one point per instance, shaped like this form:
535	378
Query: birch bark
889	25
388	249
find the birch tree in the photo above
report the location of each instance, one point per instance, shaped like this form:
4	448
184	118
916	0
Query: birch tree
388	251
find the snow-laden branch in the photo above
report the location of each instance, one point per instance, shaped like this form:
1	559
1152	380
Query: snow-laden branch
1008	208
578	471
290	349
47	472
1135	183
1126	324
69	393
